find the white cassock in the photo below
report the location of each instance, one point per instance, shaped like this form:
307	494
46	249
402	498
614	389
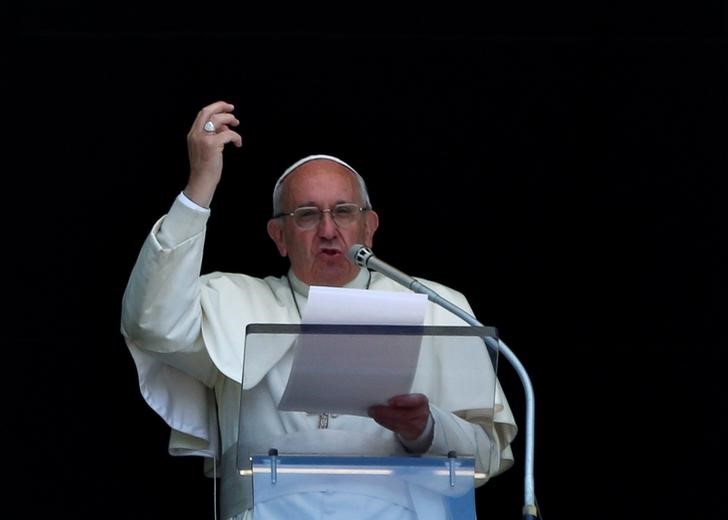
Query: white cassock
186	335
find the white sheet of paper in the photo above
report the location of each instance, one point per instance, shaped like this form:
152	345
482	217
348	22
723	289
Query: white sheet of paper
334	374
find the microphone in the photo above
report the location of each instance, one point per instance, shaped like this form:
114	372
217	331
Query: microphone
364	257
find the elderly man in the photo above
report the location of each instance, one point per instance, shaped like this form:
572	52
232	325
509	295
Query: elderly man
185	331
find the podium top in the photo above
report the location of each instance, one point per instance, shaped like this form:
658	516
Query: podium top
393	330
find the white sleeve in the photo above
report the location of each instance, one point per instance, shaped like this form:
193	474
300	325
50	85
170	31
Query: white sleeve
466	438
161	325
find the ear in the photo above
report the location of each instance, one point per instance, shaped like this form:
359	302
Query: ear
371	225
275	232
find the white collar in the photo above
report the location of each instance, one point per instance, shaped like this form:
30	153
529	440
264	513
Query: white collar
360	281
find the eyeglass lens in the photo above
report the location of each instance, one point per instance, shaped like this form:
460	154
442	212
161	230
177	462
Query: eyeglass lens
309	216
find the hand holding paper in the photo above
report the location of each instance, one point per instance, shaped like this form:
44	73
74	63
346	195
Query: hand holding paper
405	414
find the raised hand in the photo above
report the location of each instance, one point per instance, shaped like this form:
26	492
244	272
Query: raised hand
209	134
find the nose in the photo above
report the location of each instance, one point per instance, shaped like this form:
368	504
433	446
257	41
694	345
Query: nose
327	227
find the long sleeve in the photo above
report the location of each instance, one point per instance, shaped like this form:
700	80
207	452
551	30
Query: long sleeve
161	306
478	437
161	324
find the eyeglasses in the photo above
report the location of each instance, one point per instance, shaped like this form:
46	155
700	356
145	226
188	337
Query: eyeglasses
308	217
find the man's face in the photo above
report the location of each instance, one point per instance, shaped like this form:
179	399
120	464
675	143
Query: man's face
318	255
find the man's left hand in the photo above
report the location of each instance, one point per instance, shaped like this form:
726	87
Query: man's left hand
404	414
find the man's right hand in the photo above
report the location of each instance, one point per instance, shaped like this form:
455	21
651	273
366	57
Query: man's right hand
205	150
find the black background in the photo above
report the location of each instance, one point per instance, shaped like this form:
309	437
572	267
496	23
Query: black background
562	165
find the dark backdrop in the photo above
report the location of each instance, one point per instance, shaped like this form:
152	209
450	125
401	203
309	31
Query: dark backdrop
564	166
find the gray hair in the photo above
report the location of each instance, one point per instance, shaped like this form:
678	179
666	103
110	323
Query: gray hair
278	189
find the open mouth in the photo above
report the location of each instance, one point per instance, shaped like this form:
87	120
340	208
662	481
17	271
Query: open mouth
330	252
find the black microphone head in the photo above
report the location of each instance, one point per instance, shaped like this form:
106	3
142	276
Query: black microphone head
359	254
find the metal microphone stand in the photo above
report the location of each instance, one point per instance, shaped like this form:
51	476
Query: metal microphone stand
530	510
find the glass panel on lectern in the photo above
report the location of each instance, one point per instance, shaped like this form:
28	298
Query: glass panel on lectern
306	390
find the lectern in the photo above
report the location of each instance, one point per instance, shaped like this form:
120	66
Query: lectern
304	431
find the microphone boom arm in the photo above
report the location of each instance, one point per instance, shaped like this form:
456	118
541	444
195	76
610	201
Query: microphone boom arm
530	510
364	257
